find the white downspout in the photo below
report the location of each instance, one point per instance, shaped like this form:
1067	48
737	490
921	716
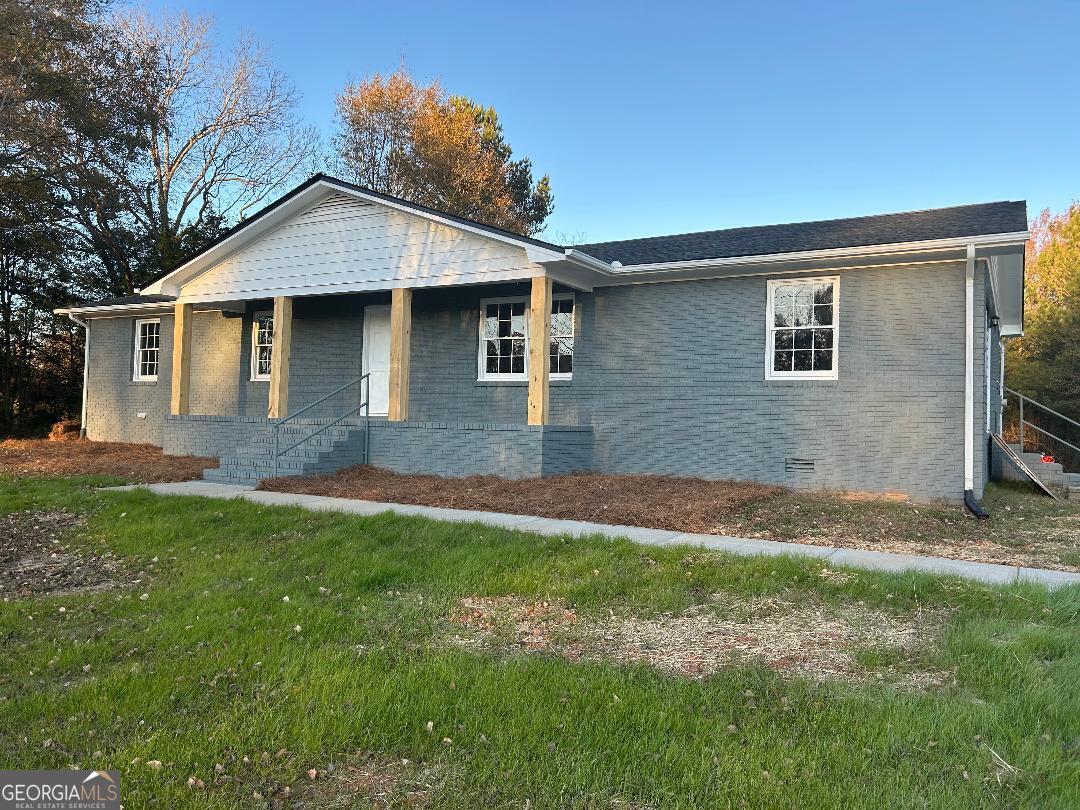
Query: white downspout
85	369
969	370
988	337
1001	387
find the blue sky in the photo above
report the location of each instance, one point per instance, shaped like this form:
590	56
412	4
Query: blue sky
658	118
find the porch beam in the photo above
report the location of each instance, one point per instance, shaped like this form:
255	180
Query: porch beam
539	340
279	358
181	359
397	410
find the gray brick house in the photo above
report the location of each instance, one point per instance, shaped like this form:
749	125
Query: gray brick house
858	354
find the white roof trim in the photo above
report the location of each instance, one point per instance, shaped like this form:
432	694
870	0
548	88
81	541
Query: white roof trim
130	309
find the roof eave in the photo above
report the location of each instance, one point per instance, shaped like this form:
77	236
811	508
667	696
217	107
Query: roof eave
149	307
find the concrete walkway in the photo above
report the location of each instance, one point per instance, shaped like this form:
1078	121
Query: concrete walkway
871	560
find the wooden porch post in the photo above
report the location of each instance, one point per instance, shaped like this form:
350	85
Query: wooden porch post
397	409
279	358
539	348
181	359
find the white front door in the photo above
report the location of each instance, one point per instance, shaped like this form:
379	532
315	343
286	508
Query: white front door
376	358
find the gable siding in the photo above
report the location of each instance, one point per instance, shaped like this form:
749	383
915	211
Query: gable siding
347	244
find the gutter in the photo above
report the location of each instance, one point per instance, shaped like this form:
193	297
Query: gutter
85	369
146	306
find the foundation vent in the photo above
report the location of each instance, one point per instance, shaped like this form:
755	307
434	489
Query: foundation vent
798	465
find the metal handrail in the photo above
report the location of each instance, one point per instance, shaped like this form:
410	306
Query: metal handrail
1023	422
364	379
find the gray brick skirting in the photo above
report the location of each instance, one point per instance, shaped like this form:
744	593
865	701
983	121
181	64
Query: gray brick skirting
479	448
438	448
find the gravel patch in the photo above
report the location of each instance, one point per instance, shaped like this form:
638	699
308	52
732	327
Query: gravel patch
812	640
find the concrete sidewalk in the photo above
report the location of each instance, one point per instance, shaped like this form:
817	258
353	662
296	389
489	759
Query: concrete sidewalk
870	560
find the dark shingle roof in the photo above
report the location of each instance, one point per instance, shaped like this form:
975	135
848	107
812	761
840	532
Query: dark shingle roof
913	226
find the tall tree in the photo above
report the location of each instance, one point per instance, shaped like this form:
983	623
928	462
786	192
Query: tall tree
64	85
125	145
446	152
222	135
1045	362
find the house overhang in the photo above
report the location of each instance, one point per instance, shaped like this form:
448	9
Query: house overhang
117	310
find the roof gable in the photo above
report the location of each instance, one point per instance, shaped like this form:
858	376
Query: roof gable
314	193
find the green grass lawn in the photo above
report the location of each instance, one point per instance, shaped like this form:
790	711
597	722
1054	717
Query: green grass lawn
194	659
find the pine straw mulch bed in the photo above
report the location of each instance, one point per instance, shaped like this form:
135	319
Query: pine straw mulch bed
137	463
734	508
679	504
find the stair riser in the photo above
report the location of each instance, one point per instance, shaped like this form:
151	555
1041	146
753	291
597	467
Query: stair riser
332	450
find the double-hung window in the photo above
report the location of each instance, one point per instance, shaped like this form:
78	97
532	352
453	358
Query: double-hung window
147	349
505	338
803	329
262	345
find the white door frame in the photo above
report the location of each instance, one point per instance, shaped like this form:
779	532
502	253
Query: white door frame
365	359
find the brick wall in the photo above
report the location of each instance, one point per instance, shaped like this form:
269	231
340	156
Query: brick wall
113	400
215	363
478	448
669	377
328	337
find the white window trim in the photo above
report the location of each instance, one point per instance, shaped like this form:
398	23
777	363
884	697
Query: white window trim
482	375
137	376
770	331
255	375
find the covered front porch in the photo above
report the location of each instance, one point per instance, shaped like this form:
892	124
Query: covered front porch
395	378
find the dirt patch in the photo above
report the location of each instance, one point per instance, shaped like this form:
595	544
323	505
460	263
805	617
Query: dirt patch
812	640
36	559
1032	533
137	463
368	781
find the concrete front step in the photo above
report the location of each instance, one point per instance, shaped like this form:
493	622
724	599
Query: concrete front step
338	447
286	466
267	451
222	476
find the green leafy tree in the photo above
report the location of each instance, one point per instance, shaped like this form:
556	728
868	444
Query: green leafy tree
1045	363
